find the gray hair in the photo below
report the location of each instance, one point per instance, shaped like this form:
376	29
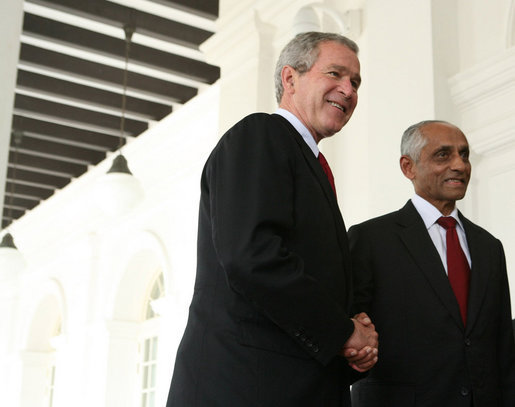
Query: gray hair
302	52
413	140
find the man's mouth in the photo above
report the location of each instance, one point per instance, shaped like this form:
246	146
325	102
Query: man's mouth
337	106
455	181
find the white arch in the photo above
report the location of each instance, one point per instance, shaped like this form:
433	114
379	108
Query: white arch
47	305
143	256
145	253
46	310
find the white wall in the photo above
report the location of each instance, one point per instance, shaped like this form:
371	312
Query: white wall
483	91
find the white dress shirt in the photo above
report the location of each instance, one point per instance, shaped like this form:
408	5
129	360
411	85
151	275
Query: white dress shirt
303	130
437	233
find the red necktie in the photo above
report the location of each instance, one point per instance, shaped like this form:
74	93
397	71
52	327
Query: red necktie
458	268
327	170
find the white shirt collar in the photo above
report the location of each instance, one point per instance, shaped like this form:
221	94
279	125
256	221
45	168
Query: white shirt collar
299	126
429	213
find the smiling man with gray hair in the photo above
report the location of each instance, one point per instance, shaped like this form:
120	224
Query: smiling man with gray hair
269	322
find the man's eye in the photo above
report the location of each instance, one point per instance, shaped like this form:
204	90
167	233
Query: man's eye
334	73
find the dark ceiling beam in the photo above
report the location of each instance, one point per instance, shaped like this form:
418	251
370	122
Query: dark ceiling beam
65	133
82	68
67	109
113	47
117	15
204	8
46	180
17	202
13	205
42	164
14	214
88	94
47	147
75	114
30	190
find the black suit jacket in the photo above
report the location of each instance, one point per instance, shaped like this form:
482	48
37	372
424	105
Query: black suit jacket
426	355
270	307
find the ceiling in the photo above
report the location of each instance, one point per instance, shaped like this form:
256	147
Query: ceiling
70	78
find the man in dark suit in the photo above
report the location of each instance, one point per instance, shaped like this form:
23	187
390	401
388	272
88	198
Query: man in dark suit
269	319
441	307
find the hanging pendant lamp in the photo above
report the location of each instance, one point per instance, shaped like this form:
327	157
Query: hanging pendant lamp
11	260
119	191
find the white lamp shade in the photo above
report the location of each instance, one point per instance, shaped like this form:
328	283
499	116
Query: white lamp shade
11	263
118	193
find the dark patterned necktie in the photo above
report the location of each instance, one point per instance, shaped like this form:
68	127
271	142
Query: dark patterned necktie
327	170
458	268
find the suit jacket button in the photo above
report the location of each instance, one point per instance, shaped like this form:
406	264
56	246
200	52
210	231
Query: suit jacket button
467	341
315	349
464	391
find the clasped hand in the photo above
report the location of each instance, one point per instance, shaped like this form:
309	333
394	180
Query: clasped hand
361	350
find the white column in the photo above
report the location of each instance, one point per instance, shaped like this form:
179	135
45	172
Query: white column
121	387
35	379
173	313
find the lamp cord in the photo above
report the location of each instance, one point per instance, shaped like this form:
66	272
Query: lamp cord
17	135
129	30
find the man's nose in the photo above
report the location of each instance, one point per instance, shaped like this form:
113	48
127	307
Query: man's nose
346	87
458	163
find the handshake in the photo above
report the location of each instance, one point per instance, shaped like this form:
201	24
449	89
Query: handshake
361	348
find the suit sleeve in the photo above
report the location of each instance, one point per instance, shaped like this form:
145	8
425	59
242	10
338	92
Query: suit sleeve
251	178
506	343
362	274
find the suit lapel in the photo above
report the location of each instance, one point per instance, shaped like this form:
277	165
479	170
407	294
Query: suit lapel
479	273
321	177
415	237
317	170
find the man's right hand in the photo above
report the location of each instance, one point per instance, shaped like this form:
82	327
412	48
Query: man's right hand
361	349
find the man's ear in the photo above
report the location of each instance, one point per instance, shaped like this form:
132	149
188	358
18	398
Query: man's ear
407	167
288	77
